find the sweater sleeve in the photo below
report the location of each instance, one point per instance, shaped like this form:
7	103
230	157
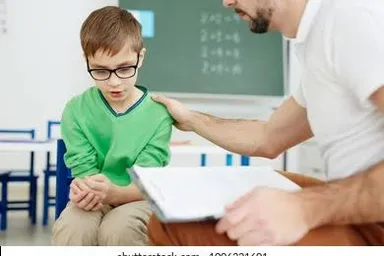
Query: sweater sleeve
157	152
80	157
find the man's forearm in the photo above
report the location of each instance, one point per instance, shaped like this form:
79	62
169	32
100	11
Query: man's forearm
355	200
286	127
122	195
246	137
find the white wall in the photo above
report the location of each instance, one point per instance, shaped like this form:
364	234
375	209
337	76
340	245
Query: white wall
41	63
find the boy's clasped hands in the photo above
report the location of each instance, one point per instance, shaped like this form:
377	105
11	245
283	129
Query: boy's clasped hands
91	193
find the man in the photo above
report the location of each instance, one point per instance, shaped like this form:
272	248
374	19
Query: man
340	46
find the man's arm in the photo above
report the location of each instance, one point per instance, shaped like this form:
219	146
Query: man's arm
355	200
287	127
358	199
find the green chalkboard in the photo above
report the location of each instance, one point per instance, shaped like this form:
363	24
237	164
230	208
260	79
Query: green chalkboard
201	47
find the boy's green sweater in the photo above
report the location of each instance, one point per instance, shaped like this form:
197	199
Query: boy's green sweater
100	141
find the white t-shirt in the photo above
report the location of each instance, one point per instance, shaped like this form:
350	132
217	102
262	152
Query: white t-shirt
340	46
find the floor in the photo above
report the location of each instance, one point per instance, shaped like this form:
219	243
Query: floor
21	232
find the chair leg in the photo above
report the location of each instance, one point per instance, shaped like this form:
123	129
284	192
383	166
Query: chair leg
4	202
30	198
33	200
46	199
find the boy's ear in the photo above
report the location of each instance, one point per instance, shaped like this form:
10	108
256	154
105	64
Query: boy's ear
142	57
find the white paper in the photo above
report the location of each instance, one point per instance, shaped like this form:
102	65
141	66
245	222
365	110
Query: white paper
194	193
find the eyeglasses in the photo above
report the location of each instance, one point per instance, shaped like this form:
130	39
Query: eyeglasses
103	74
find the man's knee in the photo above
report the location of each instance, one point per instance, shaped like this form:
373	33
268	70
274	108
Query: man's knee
133	232
155	232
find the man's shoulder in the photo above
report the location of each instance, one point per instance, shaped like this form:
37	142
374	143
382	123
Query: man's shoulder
351	8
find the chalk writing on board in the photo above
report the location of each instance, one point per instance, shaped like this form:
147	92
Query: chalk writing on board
219	68
220	48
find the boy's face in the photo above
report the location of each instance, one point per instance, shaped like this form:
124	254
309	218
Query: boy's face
120	85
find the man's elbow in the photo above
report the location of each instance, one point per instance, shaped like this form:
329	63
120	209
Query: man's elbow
266	150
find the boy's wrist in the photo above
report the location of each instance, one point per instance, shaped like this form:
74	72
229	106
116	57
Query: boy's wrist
112	195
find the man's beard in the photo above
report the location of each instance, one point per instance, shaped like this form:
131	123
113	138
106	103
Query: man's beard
260	25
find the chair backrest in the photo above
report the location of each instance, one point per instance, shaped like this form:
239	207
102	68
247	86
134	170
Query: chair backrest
53	129
63	179
18	135
53	132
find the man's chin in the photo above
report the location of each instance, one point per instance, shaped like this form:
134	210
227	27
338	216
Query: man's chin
258	28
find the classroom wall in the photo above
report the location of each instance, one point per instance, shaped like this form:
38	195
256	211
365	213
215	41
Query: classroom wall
41	67
41	64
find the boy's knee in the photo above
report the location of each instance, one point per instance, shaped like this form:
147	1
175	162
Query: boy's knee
71	233
76	227
132	232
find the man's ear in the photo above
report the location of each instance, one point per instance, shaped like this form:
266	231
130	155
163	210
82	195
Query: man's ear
378	98
142	57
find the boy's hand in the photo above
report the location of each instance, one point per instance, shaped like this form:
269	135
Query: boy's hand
83	197
101	186
180	113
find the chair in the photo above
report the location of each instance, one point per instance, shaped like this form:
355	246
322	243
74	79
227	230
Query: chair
24	175
50	171
4	175
63	179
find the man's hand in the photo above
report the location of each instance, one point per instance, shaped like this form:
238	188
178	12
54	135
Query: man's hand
101	186
265	217
83	197
180	113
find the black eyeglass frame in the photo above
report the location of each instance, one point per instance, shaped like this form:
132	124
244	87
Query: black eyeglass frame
114	70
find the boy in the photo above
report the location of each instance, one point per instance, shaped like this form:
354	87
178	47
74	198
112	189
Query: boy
107	129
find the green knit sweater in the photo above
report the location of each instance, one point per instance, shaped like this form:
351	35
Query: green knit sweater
100	141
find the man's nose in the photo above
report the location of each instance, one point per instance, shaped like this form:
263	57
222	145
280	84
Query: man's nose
229	3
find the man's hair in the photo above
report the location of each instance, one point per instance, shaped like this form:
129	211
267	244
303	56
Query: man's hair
109	29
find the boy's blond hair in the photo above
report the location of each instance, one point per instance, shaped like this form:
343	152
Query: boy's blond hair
109	29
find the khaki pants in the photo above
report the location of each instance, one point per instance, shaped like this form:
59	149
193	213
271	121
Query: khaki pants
203	233
122	225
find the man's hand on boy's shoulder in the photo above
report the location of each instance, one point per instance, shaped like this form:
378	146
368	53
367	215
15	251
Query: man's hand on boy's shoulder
179	112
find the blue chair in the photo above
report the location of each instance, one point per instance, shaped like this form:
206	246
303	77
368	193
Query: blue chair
4	199
25	175
50	171
63	179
